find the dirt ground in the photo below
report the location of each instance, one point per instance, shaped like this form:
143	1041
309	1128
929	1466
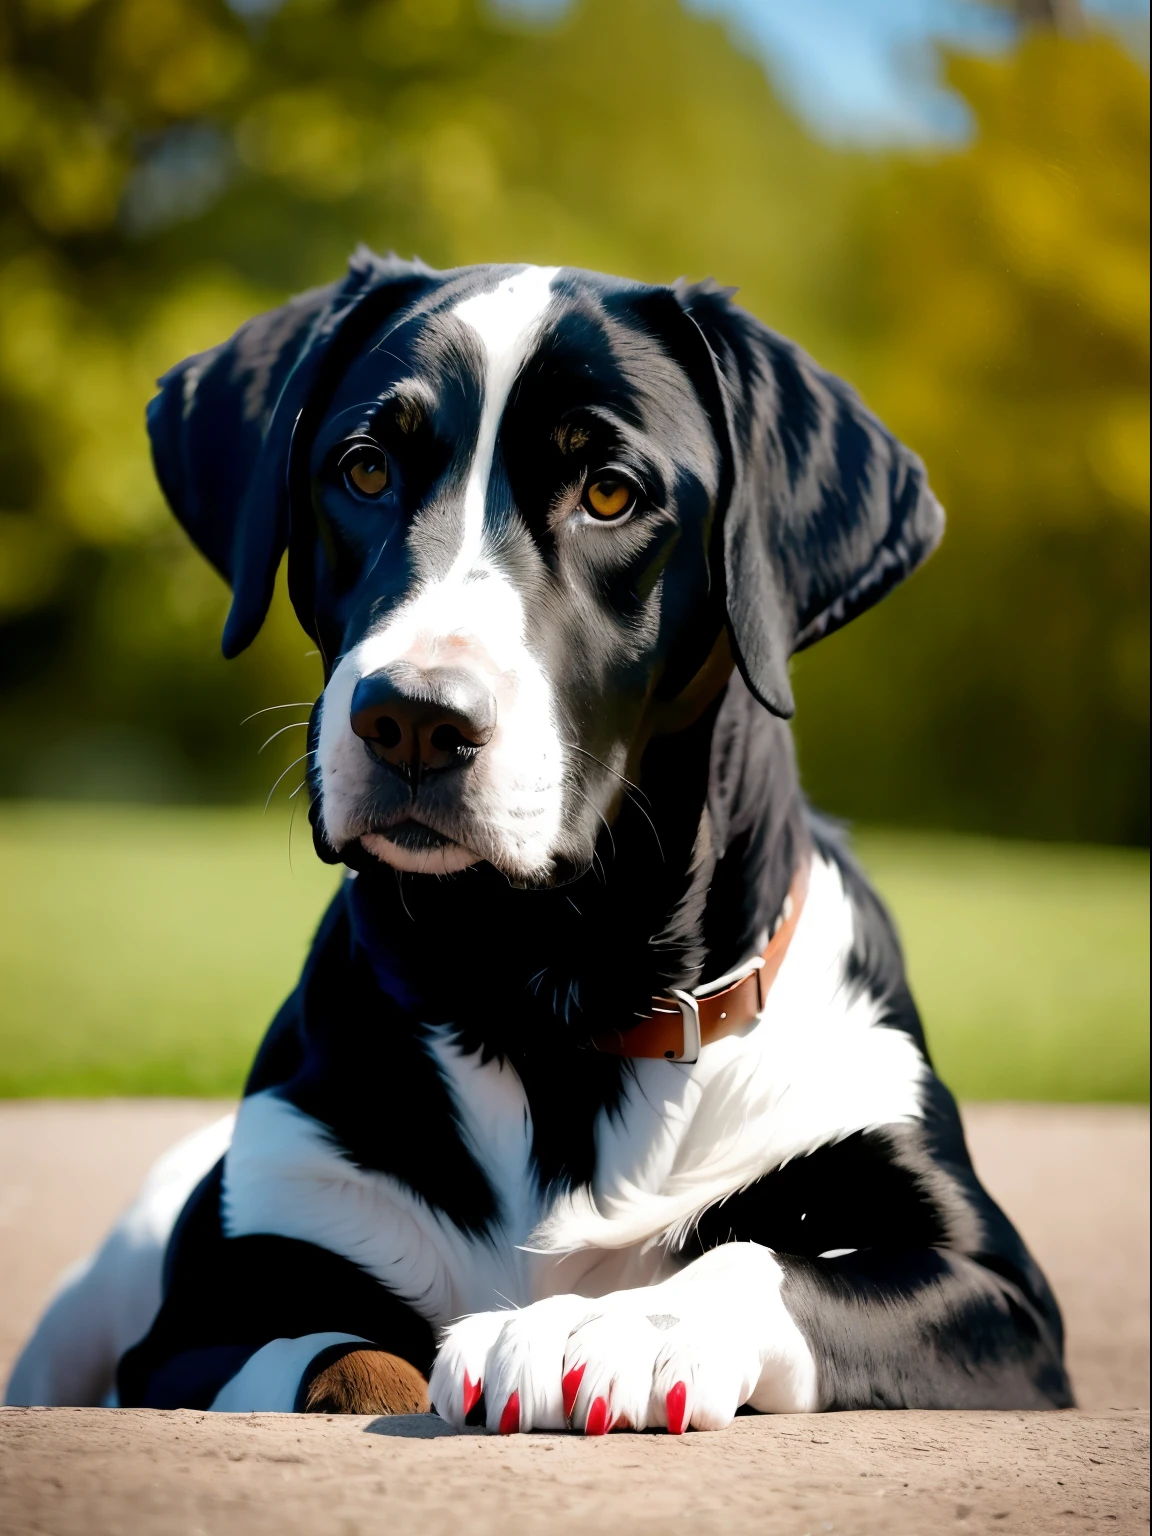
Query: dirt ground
1075	1178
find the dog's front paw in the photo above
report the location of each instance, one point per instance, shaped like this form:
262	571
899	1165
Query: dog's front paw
621	1361
647	1362
686	1353
513	1359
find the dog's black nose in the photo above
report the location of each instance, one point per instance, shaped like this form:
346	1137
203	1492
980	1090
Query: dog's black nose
419	719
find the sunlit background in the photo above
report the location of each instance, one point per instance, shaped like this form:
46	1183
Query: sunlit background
944	200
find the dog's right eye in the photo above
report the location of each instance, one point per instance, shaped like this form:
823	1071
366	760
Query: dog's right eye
609	497
366	472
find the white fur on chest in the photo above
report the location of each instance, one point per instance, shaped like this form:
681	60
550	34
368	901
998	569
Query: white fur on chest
817	1066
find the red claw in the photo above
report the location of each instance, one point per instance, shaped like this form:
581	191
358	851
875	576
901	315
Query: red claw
510	1418
472	1390
674	1405
597	1417
570	1386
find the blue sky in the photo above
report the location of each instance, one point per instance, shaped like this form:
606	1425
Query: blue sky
865	69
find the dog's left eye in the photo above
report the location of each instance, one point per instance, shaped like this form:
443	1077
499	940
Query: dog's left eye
609	497
366	472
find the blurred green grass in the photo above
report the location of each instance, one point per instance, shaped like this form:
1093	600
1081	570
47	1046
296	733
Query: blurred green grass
1029	961
144	950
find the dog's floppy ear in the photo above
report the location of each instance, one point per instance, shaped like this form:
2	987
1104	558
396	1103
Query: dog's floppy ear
826	510
222	428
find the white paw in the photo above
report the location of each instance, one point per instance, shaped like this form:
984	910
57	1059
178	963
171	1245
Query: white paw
686	1353
505	1355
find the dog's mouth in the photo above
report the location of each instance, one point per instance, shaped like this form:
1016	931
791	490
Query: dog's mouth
415	837
415	846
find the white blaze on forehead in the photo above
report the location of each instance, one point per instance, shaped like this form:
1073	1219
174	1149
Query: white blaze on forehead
515	792
506	321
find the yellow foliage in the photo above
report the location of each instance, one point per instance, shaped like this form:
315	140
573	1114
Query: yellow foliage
1012	282
67	167
308	138
170	58
991	301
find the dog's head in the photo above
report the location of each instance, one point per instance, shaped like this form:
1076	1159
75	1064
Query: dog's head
533	515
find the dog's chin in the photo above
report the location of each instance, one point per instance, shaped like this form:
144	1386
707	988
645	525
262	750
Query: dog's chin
438	858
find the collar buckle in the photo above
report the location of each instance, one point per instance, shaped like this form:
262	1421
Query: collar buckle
690	1019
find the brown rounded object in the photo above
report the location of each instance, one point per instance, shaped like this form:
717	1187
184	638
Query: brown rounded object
366	1380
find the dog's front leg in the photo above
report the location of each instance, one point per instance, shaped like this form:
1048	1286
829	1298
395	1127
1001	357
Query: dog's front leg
687	1352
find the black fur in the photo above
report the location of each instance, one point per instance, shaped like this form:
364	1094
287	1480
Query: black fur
226	1297
777	508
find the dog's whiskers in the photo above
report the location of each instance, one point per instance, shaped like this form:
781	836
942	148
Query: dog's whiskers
292	822
292	818
589	800
636	794
584	752
295	704
297	725
285	774
376	560
400	893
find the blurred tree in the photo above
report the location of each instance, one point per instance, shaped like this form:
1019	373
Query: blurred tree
168	167
998	309
165	171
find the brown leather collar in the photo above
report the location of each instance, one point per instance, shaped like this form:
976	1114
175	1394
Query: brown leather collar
683	1023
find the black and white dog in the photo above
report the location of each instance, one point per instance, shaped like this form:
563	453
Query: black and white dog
602	1100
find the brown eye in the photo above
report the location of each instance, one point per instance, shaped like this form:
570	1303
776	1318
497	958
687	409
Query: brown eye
367	474
609	496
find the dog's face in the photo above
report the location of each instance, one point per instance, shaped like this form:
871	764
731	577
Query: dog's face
527	509
515	483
